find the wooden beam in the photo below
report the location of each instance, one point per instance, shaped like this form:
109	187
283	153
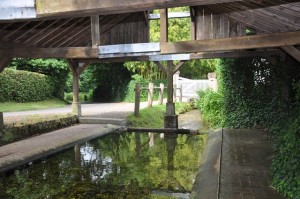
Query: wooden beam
163	25
64	52
292	51
90	7
178	66
171	15
237	43
161	67
95	30
17	9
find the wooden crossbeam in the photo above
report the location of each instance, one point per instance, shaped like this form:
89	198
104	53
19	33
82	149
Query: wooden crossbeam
75	7
64	52
237	43
171	15
292	51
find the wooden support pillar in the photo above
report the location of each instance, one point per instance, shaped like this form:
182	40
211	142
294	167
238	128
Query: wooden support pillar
163	25
137	100
161	94
77	69
95	30
150	95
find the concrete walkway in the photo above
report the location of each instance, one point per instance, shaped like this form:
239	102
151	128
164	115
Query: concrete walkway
235	165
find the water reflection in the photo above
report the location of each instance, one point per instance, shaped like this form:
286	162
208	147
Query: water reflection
136	165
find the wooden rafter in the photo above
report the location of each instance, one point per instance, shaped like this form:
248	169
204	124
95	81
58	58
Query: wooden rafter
237	43
292	51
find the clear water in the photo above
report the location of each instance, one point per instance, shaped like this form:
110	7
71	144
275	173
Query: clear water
135	165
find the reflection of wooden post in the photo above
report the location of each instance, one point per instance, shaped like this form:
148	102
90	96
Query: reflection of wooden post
161	94
138	144
137	100
1	124
150	95
77	156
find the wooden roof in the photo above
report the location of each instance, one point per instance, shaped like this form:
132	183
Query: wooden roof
63	24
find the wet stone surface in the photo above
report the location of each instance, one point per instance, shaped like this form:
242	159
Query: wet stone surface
246	158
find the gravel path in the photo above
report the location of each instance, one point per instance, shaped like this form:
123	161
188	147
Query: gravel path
104	110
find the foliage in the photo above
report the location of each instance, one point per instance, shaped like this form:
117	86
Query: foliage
24	86
211	106
253	90
263	93
286	164
144	83
83	96
56	69
24	106
109	80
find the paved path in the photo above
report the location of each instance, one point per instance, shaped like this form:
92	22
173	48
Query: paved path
99	109
235	165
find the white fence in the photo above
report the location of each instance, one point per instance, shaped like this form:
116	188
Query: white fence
190	87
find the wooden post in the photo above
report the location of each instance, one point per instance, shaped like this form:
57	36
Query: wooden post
175	92
163	25
150	95
76	107
180	96
137	100
1	124
161	94
95	30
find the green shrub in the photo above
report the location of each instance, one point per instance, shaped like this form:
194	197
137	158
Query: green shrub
83	96
23	86
286	165
211	105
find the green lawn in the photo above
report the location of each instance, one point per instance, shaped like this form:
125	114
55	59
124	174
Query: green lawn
14	106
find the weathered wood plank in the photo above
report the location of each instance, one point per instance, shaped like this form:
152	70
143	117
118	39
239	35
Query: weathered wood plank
17	9
169	57
65	52
95	30
171	15
292	51
237	43
129	48
164	25
75	7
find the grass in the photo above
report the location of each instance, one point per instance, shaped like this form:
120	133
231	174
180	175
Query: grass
15	106
154	117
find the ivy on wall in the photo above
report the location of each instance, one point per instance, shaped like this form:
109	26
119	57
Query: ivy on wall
262	93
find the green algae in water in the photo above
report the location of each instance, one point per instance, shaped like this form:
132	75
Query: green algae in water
115	166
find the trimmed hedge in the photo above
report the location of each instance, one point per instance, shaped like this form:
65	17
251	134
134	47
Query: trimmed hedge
24	86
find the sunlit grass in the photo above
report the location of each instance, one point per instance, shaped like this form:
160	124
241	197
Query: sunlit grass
154	117
14	106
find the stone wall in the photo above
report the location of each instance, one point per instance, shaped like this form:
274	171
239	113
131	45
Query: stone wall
13	133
